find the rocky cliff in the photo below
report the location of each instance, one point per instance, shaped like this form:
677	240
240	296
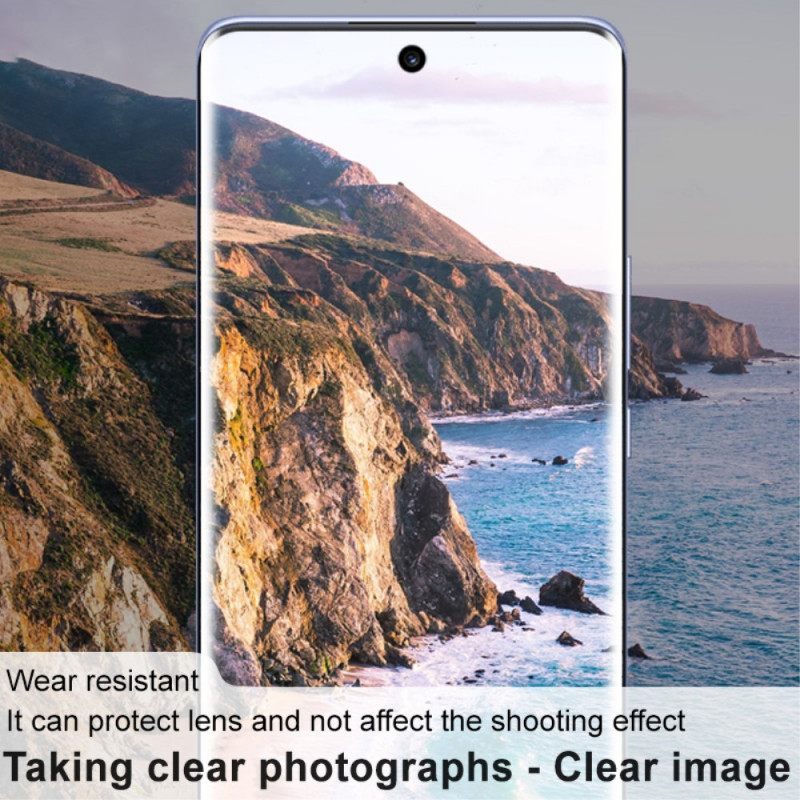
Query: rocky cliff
331	350
337	541
340	542
96	533
676	331
467	336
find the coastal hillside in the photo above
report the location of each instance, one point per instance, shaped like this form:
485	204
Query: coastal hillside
145	141
319	434
676	331
264	169
26	155
96	531
467	336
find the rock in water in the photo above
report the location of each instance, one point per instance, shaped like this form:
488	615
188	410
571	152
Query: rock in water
538	461
645	380
565	590
508	598
527	604
672	386
396	657
729	366
637	651
559	461
568	640
691	394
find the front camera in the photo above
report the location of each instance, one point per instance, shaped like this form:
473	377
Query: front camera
412	58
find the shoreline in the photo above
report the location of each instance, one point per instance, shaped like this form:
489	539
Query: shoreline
523	655
526	412
543	409
516	656
523	651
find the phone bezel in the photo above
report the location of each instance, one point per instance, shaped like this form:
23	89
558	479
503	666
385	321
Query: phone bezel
494	23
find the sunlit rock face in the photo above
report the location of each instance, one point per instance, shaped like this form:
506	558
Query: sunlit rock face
337	542
96	534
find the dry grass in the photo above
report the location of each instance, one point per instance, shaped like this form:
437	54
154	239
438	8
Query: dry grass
248	230
41	247
21	187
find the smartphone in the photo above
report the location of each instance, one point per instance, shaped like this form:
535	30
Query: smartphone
412	351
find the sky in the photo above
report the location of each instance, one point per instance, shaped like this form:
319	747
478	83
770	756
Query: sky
713	108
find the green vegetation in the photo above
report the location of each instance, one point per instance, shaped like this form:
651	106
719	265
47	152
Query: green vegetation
328	388
130	481
41	445
416	371
236	427
46	592
179	255
89	243
309	218
41	353
575	370
282	339
322	665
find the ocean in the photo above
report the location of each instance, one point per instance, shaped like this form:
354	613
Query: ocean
713	541
712	545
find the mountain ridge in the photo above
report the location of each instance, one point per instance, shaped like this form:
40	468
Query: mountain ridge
148	143
27	155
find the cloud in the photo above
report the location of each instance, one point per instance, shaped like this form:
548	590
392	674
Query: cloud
460	88
454	88
666	104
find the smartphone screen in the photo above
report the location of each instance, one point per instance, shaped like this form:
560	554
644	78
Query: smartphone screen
412	354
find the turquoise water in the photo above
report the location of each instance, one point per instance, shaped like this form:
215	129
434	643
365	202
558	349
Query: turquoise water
529	521
549	517
712	541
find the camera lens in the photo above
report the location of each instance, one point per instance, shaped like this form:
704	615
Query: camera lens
412	58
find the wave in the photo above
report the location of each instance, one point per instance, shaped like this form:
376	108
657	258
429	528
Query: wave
584	456
461	455
520	656
508	416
